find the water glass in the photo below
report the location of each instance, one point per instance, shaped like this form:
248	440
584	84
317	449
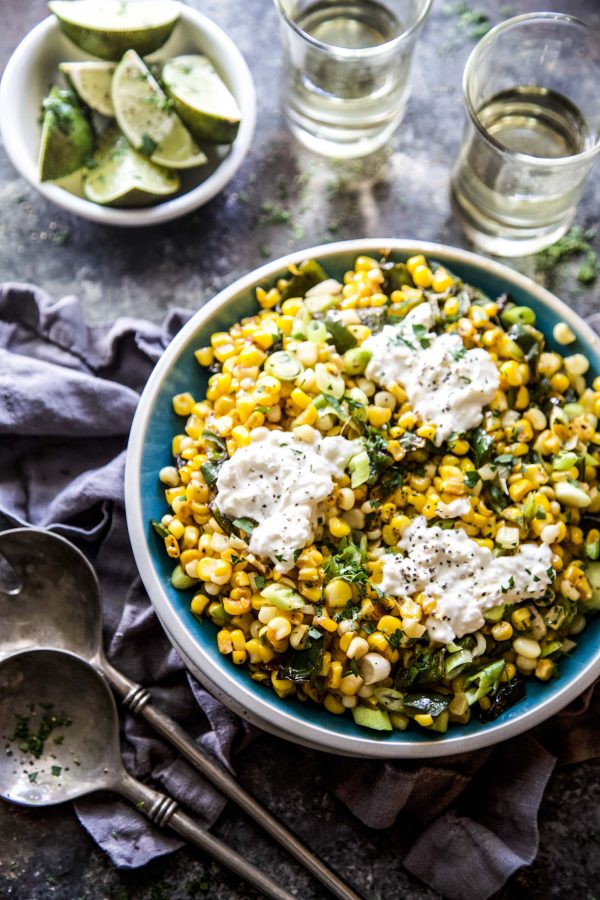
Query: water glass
346	70
531	88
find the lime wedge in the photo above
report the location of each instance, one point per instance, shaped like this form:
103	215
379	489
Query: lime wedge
91	81
121	176
67	136
108	28
146	118
201	98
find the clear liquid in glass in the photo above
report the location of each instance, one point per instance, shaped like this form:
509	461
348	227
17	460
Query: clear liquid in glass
337	99
497	194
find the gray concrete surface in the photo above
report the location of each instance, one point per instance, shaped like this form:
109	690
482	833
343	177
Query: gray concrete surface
283	198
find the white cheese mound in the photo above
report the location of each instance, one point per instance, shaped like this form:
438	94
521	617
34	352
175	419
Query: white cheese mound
464	578
281	483
446	384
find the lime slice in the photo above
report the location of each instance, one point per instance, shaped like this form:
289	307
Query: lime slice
123	177
108	28
201	98
91	82
146	118
67	136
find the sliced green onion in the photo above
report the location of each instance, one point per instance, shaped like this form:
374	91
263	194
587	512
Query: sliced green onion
571	495
329	383
180	580
565	461
359	468
518	315
355	360
456	662
282	597
316	332
283	365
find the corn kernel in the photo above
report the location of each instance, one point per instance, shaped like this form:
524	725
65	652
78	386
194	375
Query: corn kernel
183	404
427	431
442	281
338	527
422	276
198	604
281	686
338	592
424	719
559	382
325	622
378	416
414	261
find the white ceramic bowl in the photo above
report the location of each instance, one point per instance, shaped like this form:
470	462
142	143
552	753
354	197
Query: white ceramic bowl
150	449
34	66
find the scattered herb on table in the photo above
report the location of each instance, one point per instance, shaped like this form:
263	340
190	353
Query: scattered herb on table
473	21
575	242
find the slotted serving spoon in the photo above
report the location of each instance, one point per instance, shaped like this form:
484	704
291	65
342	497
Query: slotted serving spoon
50	597
37	684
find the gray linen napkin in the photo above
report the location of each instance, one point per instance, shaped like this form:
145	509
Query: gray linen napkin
67	396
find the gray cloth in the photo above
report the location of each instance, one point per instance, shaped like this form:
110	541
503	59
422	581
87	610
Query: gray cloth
67	396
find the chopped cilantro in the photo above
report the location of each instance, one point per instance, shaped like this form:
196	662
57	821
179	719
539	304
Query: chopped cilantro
32	742
349	565
395	639
575	241
481	444
421	334
248	526
159	528
56	770
471	478
259	581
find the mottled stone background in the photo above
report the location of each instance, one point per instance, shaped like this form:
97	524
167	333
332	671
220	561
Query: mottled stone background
282	199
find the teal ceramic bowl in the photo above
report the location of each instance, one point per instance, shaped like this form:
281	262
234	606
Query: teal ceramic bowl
149	449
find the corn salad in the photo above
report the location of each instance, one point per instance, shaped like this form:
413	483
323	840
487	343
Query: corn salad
324	631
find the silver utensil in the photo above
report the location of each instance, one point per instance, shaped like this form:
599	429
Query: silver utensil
39	686
58	605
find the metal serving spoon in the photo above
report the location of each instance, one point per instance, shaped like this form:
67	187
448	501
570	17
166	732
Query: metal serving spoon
50	596
82	754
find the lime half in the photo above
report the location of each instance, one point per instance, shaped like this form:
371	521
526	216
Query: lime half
67	136
107	28
202	99
146	117
91	81
123	177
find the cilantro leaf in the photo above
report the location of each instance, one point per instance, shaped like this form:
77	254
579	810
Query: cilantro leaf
159	528
481	444
246	525
471	478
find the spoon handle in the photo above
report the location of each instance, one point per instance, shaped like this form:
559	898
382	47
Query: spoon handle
138	700
163	811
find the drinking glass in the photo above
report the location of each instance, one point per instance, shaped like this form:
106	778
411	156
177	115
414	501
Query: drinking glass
346	70
532	91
